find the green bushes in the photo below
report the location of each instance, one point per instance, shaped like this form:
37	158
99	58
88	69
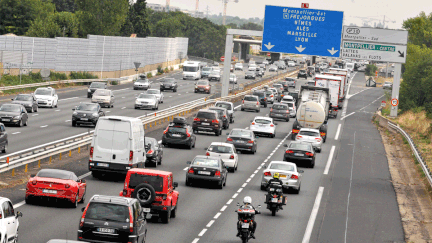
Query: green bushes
11	80
370	70
82	75
159	69
149	75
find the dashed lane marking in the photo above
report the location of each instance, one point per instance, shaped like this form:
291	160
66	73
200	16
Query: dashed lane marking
223	208
202	232
217	215
338	131
16	133
44	126
329	161
210	223
229	201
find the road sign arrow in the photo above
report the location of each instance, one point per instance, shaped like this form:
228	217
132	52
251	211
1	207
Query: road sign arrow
300	48
401	54
332	51
269	46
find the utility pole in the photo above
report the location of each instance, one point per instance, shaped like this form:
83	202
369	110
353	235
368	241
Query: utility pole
64	29
207	11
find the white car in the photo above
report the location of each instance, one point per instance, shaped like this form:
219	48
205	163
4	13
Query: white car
252	68
238	66
159	95
104	97
265	62
9	223
291	82
290	176
146	101
233	78
273	68
226	152
46	97
263	125
311	136
291	64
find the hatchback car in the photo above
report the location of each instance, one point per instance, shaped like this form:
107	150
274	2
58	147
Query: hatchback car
207	121
233	78
86	114
154	152
103	97
243	140
13	114
291	64
179	133
258	72
273	68
202	86
209	169
262	125
112	219
300	152
146	101
46	97
9	222
142	83
223	115
291	82
280	111
206	72
250	102
311	136
226	152
94	86
28	101
270	96
168	84
302	74
262	97
229	106
238	66
250	75
290	176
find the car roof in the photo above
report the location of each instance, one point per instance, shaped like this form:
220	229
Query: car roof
309	129
112	199
149	171
282	162
263	117
222	144
288	96
217	108
206	157
207	110
224	102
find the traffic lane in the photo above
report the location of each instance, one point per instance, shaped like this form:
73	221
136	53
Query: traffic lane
358	83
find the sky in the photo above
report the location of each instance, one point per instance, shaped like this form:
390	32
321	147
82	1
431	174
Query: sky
395	11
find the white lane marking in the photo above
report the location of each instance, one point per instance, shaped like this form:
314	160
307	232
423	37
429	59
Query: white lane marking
195	240
338	131
35	115
229	201
159	78
210	223
256	171
187	92
217	215
235	195
347	115
202	232
248	180
244	184
19	204
329	161
68	98
239	190
235	108
67	120
223	208
313	215
123	108
16	133
107	111
84	176
44	126
160	141
372	102
179	94
170	96
123	97
57	110
349	191
252	175
186	168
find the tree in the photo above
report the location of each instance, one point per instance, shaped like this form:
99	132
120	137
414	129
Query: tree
136	20
252	26
420	29
55	25
370	70
65	5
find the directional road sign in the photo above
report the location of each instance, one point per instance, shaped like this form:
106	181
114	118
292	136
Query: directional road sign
302	31
374	52
373	35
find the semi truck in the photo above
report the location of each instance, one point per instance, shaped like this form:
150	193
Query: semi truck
343	73
333	83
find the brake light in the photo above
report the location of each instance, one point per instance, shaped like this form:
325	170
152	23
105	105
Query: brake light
130	155
217	173
257	103
207	154
166	130
294	177
229	139
271	95
282	95
271	125
287	112
245	220
309	154
190	171
242	101
188	134
271	109
289	151
91	154
34	182
215	121
150	151
224	116
253	123
67	186
265	98
131	228
267	173
250	141
232	156
318	139
196	119
83	215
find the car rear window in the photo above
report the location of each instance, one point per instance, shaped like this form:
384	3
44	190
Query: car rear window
300	146
202	83
240	133
269	92
277	166
108	212
177	130
224	105
309	133
291	105
206	115
260	94
280	107
218	111
155	181
262	121
250	98
206	162
220	149
58	174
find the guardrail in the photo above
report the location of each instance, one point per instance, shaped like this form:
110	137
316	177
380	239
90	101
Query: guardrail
47	83
27	156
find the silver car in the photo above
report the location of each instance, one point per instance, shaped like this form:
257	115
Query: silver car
290	176
146	101
270	96
159	95
311	136
251	102
291	82
233	78
142	84
273	68
206	71
387	85
214	75
104	97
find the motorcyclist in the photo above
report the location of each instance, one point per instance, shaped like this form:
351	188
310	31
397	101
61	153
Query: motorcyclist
247	204
276	180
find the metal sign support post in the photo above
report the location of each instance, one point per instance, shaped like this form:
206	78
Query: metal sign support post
395	88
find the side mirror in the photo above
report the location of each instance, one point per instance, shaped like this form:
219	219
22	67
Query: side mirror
275	123
285	145
205	148
188	162
238	204
82	209
227	133
12	99
300	171
19	214
83	181
175	184
73	109
32	175
264	166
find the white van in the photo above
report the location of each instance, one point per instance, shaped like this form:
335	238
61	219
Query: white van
192	70
350	66
117	145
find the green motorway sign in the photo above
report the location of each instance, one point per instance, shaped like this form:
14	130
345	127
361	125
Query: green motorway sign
371	47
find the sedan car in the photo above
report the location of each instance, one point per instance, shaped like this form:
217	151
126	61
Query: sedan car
168	84
311	136
214	75
206	71
258	72
13	114
54	183
243	140
302	74
250	75
94	86
46	97
291	82
3	139
238	66
273	68
226	152
159	95
202	86
28	101
205	168
300	152
233	78
387	85
291	64
280	111
146	101
290	176
263	125
142	83
86	114
154	152
103	97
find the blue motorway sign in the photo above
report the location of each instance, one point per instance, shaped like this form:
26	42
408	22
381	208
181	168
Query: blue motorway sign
302	31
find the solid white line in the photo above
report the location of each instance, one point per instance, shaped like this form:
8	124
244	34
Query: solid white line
217	215
19	204
347	115
313	215
239	190
120	89
107	111
170	96
235	108
202	232
229	201
179	94
186	168
44	126
338	131
244	184
16	133
195	240
349	191
223	208
84	176
235	195
330	158
123	97
68	98
210	223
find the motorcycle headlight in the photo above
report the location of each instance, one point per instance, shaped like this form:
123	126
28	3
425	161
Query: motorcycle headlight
271	189
75	113
88	90
95	114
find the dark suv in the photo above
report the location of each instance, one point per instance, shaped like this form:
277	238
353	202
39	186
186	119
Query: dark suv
94	86
168	84
302	74
179	133
223	115
208	121
262	97
112	219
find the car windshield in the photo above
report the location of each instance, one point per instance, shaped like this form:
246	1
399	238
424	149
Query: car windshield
224	105
280	166
107	212
302	71
57	174
250	98
153	91
87	107
269	92
300	146
206	115
232	76
190	69
309	133
43	92
202	83
142	81
280	107
220	149
207	69
219	111
387	82
146	96
277	85
101	92
240	133
262	121
97	85
23	97
168	80
206	162
10	108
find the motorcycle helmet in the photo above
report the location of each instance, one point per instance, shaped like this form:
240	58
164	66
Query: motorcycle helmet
276	175
247	199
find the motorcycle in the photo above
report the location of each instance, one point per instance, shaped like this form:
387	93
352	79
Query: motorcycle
275	198
246	215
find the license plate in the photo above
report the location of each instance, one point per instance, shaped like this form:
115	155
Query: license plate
205	123
49	191
240	141
176	135
201	89
262	125
204	172
103	164
278	115
245	225
146	210
282	176
298	154
105	230
84	119
6	120
275	200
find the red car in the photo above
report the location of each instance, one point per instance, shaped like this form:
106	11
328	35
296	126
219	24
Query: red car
154	189
59	184
202	86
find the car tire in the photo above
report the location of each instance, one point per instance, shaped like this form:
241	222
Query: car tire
325	138
25	124
220	185
29	200
257	111
31	111
96	174
143	190
312	164
56	106
190	146
174	212
160	161
37	108
175	91
319	151
188	183
88	96
166	217
20	124
265	106
74	124
287	120
4	150
242	109
296	191
217	133
75	203
83	197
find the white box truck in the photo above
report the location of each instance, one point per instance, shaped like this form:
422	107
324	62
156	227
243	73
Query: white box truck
334	84
344	83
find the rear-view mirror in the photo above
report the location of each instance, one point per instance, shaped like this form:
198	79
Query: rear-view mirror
188	162
32	175
83	181
205	148
227	133
264	166
285	145
82	209
19	214
175	184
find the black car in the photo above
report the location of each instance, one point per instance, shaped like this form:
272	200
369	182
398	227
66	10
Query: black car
302	74
280	111
28	101
94	86
13	114
154	152
262	97
204	168
207	121
3	138
243	140
295	95
223	115
300	152
86	114
168	84
179	133
112	219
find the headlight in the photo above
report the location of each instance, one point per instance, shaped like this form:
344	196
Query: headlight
88	90
196	87
16	117
95	114
137	102
75	113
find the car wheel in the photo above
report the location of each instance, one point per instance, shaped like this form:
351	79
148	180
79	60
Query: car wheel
296	191
83	197
96	174
190	146
75	203
312	164
217	133
188	183
265	106
220	185
257	111
160	161
242	109
31	111
28	200
25	124
56	106
175	91
112	106
88	96
263	188
224	184
20	124
325	138
174	212
145	194
287	120
37	108
166	217
74	124
4	150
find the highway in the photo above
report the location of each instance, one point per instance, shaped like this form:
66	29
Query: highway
350	174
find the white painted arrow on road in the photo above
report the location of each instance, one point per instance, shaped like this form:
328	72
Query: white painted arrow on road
300	48
269	46
332	51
